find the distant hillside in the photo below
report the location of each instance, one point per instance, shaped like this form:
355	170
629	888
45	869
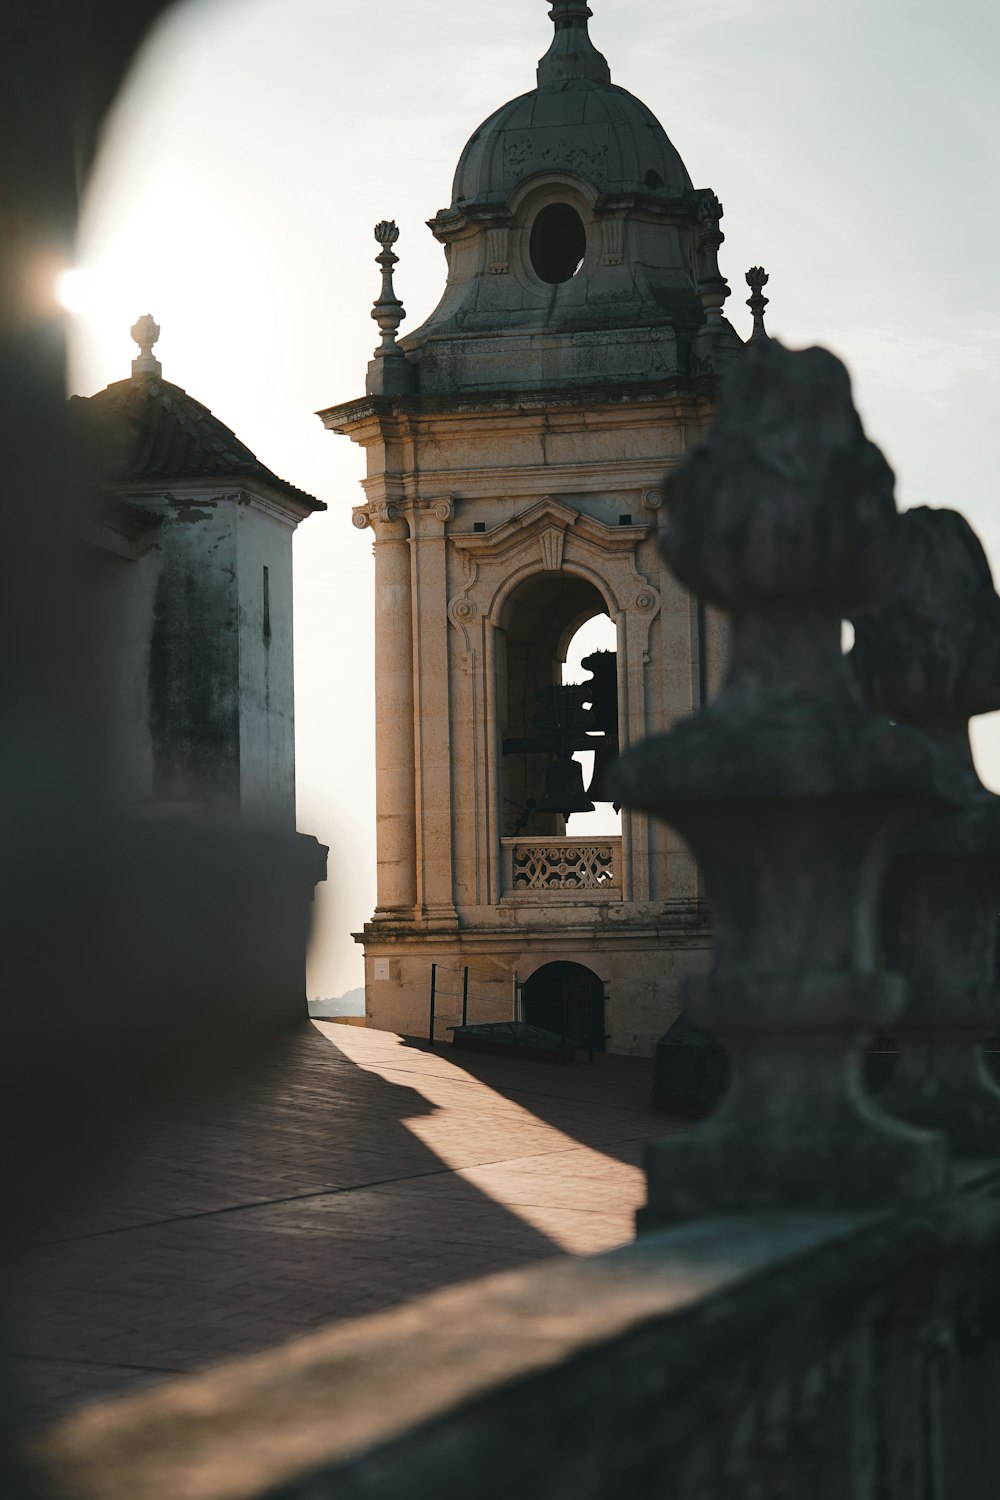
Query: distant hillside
351	1004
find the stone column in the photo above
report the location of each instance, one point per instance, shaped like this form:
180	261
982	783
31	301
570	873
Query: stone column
432	715
791	792
395	793
931	656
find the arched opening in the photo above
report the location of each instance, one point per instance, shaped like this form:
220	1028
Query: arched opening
558	243
567	999
544	720
595	638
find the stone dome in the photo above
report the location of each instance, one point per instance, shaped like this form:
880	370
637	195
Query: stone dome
577	121
597	131
578	248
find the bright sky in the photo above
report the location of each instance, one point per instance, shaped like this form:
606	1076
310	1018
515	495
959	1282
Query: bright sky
856	149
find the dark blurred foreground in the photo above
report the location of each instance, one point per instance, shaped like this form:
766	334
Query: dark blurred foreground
130	948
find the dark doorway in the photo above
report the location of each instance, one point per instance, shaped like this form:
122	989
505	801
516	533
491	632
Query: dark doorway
567	997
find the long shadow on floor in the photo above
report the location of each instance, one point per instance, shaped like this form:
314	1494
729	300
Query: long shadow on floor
302	1197
604	1104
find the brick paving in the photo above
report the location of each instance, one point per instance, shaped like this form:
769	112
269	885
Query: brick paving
359	1172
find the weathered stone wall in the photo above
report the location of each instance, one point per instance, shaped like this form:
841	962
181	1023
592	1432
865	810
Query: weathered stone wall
194	673
201	692
642	978
124	594
266	667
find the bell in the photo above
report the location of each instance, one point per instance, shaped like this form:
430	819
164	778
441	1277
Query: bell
564	789
605	756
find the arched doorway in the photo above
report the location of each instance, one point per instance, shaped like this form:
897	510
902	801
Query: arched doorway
567	997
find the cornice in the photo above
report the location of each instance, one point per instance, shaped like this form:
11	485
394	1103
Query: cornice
524	481
451	223
682	392
273	500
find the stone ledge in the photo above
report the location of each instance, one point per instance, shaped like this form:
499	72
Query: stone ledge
479	1389
680	391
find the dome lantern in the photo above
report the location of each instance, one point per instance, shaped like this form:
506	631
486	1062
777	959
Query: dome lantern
572	53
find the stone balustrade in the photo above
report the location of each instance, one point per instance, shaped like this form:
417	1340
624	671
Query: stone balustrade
574	868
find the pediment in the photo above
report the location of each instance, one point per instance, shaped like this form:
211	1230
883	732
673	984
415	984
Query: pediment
548	516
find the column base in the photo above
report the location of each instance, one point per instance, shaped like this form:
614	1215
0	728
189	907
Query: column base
392	916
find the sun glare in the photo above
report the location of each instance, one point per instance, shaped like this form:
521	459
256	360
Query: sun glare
98	295
75	289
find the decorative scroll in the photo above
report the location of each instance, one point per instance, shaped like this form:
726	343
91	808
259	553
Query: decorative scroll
564	864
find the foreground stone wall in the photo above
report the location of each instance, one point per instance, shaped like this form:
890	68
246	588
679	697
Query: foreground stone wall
814	1355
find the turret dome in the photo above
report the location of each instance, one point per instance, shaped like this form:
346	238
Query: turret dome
596	131
576	241
577	121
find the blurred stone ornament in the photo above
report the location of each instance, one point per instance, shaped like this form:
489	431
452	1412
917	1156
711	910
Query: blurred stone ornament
791	792
931	656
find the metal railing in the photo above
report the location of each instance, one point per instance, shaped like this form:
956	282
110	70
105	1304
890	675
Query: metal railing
437	994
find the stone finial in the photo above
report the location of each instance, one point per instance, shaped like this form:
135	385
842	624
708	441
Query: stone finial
386	232
388	372
713	288
388	311
145	333
791	790
786	505
572	53
757	279
930	655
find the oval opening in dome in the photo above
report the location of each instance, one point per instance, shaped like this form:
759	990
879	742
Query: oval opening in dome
558	243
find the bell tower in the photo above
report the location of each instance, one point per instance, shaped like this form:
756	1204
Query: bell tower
516	445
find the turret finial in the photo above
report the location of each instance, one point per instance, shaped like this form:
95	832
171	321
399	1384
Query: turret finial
713	288
389	373
757	279
388	311
572	53
145	332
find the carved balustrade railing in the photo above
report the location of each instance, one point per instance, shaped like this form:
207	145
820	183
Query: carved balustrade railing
573	868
